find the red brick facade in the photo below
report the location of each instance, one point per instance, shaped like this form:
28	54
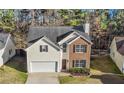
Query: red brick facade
79	56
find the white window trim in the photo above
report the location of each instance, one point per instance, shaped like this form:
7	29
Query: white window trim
80	37
44	48
79	48
79	63
64	48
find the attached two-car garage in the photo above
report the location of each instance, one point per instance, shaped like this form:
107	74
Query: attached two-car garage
44	56
44	66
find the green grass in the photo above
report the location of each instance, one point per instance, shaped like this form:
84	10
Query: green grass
13	73
104	64
99	65
72	80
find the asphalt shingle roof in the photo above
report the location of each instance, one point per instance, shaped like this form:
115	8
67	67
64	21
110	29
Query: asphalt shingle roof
54	33
120	44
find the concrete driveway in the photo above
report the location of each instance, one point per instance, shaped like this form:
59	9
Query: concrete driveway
42	78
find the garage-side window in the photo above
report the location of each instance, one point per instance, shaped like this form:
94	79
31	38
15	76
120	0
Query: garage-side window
10	51
64	47
43	48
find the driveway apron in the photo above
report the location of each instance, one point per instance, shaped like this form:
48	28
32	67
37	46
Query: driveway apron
42	78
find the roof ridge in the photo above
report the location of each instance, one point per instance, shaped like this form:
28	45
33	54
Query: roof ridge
53	26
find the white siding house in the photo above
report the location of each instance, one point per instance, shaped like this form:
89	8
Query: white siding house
1	59
49	61
7	50
116	54
48	47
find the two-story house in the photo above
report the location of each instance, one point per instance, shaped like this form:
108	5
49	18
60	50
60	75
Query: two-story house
57	48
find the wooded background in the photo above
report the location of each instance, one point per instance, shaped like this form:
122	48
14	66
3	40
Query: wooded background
104	23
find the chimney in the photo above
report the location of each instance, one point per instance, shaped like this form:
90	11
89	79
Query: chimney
87	28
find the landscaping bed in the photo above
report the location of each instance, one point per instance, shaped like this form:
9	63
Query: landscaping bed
77	76
79	71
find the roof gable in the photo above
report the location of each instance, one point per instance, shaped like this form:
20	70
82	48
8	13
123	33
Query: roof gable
45	39
74	39
120	44
3	39
68	38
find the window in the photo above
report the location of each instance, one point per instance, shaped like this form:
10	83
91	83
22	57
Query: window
80	48
64	47
113	54
79	63
10	51
43	48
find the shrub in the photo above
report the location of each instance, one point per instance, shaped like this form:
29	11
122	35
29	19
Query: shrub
79	70
75	70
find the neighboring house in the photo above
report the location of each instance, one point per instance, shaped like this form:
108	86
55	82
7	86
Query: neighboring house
53	49
117	52
7	48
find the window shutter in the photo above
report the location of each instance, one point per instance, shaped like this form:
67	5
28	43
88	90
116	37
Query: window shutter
84	63
73	48
46	48
85	48
40	48
73	63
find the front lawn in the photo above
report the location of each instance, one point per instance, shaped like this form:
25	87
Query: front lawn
103	70
72	80
13	72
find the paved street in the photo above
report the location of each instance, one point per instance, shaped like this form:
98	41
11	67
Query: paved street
104	78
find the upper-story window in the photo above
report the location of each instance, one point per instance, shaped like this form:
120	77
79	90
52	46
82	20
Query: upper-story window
113	54
64	47
10	51
43	48
80	48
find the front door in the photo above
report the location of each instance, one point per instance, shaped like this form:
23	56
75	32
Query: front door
64	64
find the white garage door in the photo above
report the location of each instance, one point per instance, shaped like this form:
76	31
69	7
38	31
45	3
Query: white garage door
40	66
